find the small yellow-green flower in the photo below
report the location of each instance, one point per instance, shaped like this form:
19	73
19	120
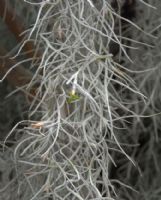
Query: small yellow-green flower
72	97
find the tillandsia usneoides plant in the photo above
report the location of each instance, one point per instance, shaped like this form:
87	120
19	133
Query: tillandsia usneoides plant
83	98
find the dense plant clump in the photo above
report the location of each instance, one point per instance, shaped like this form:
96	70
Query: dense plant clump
92	87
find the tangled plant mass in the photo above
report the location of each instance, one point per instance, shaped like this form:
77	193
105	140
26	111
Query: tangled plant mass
84	102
